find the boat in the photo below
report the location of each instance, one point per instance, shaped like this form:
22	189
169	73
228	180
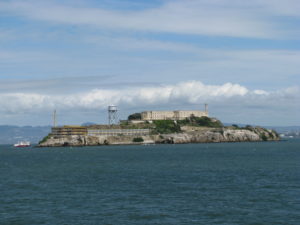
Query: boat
22	144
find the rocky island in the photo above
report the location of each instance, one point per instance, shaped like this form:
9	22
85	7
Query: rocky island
190	129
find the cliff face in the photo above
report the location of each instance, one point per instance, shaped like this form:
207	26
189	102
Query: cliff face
203	135
84	140
224	135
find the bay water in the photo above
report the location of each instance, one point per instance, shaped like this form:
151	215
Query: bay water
222	183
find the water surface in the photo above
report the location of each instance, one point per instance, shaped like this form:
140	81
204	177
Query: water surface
227	183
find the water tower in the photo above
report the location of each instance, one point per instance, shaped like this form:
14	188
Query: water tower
112	114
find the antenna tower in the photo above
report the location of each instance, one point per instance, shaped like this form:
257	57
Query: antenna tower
112	114
206	108
54	118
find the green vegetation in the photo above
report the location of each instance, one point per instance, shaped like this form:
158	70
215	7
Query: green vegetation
44	139
203	121
248	127
271	135
170	126
264	137
135	126
166	126
138	139
135	116
124	123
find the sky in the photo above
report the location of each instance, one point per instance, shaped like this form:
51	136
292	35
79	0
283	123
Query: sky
79	56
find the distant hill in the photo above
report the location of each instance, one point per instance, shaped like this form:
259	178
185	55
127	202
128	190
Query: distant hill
290	131
286	129
88	124
13	134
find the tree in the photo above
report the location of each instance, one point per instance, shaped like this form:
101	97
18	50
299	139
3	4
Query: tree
138	139
135	116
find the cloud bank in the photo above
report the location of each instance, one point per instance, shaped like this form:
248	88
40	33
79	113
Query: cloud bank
185	93
200	17
46	44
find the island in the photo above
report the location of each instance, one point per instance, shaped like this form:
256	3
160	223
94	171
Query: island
157	127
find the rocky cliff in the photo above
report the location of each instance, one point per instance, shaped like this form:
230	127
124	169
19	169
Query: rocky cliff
221	135
188	135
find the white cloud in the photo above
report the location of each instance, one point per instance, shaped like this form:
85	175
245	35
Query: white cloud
288	7
125	43
187	93
260	92
258	69
221	18
19	56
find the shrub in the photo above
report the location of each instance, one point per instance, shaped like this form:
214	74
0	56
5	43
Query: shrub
264	137
208	122
138	139
248	127
135	116
186	121
166	126
45	139
271	134
201	121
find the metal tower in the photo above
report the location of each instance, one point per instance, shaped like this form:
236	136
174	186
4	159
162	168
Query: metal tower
206	108
54	118
112	114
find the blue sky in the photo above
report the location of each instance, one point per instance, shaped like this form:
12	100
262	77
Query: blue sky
242	58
